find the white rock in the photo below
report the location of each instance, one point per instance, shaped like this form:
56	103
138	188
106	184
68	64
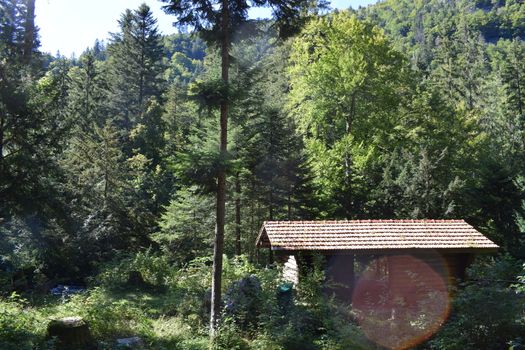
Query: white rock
133	342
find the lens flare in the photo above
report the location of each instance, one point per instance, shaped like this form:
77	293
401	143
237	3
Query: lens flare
402	300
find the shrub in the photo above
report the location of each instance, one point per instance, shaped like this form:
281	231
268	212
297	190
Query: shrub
107	318
487	313
243	301
21	327
175	334
189	293
309	321
229	337
153	268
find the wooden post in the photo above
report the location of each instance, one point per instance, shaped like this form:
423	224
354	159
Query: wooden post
462	263
351	274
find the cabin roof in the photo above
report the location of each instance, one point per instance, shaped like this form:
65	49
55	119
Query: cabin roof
372	235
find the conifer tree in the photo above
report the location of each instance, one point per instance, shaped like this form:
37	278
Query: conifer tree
185	226
108	212
513	75
29	32
124	92
136	85
217	21
136	55
87	96
32	127
29	129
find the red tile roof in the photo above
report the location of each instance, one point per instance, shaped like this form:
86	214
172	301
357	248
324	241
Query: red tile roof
367	235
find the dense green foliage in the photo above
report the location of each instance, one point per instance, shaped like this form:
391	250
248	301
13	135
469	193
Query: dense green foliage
175	319
109	165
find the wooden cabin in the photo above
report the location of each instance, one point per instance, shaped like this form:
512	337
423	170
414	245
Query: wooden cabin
397	255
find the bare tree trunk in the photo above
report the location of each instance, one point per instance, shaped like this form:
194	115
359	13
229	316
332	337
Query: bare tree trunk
518	86
29	32
289	205
106	170
348	160
221	178
520	103
270	252
237	215
253	225
142	65
2	125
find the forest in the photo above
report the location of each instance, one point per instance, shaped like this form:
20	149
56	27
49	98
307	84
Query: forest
142	170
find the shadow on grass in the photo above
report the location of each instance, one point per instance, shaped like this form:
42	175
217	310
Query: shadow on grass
12	337
175	333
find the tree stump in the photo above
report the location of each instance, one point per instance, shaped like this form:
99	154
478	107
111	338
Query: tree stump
71	333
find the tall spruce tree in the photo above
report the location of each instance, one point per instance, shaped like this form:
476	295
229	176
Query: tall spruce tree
110	216
29	131
87	96
122	64
512	73
137	85
217	21
136	55
32	125
265	144
18	33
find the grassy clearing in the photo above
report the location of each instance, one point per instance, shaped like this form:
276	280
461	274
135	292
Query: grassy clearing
171	313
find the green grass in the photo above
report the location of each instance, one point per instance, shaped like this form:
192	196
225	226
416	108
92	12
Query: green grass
171	313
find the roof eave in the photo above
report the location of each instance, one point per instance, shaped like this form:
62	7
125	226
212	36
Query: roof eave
259	243
386	251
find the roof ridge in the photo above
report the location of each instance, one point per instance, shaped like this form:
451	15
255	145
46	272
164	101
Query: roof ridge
364	221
